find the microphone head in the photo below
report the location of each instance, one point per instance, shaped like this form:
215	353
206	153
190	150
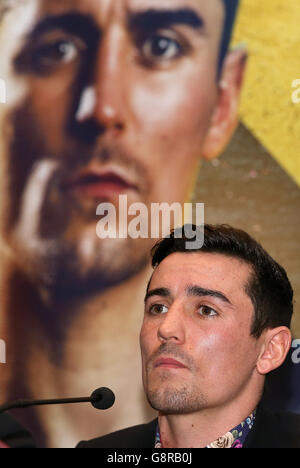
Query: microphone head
102	398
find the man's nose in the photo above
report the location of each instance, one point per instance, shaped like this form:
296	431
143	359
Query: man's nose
105	100
172	326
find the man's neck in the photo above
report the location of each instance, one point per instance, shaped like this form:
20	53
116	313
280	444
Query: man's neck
200	429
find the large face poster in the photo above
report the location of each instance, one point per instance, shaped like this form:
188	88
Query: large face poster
109	104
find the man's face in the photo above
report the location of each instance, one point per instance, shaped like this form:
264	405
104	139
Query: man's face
105	98
196	346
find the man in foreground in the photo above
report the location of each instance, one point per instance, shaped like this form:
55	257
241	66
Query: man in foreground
217	321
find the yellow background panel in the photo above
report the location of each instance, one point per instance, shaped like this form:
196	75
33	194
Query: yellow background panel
270	30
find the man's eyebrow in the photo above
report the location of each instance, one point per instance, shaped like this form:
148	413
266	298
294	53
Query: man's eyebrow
153	19
75	23
199	291
163	292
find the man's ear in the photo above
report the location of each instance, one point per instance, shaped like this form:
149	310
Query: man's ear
276	345
225	116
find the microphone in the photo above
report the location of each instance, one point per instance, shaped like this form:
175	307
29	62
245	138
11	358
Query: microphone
102	399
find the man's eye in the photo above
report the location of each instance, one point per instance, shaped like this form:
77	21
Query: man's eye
158	309
159	48
207	311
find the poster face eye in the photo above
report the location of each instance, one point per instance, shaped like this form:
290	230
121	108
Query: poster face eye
50	54
161	47
55	53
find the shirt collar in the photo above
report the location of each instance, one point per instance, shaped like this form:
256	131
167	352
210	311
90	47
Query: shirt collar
233	439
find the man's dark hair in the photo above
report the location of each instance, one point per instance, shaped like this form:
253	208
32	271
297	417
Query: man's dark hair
231	7
268	287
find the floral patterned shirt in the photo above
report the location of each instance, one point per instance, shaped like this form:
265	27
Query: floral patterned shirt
233	439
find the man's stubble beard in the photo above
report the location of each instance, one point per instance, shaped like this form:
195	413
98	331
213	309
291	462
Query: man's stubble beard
176	399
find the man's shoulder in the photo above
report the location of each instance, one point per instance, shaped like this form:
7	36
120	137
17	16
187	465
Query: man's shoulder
142	436
275	430
290	426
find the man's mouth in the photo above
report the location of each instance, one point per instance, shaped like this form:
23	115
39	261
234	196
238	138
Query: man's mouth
93	183
169	363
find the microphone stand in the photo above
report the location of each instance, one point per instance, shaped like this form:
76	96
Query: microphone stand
102	398
27	403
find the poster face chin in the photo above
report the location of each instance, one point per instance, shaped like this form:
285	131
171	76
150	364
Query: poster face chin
107	111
